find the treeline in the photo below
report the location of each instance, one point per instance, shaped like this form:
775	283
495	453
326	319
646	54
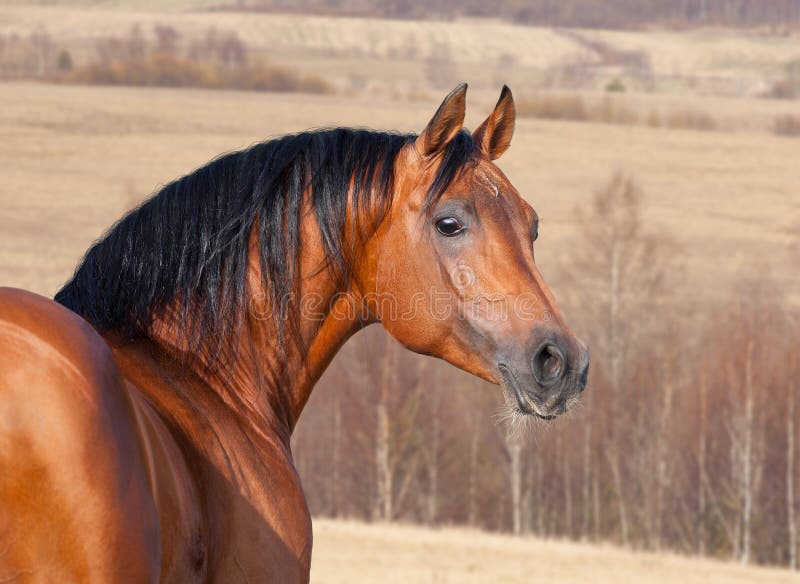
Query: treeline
686	439
161	57
567	13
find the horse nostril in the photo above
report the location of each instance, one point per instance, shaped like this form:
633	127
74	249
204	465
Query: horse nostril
548	364
584	378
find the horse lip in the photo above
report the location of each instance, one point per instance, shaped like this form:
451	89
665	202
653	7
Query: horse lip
511	385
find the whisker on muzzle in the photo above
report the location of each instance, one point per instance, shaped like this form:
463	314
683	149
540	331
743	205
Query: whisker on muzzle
521	426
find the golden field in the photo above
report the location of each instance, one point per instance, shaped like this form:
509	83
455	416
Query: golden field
346	552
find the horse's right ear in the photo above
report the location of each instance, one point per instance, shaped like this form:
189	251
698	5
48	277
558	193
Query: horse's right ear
445	123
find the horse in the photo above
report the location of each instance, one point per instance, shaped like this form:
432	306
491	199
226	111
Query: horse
146	412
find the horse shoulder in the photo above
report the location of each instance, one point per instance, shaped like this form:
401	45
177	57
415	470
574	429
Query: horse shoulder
75	503
174	485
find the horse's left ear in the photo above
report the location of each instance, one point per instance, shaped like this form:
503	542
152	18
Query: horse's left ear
493	136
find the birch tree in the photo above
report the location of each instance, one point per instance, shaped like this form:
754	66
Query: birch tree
621	264
791	508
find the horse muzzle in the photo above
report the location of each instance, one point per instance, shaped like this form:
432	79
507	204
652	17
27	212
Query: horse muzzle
554	377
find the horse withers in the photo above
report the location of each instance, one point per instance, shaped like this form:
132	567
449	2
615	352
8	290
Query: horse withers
146	414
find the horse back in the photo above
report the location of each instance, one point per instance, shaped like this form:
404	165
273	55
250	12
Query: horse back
75	496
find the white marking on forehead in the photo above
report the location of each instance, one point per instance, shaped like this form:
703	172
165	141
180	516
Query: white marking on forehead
488	183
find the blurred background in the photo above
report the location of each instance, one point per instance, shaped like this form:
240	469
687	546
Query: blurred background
659	140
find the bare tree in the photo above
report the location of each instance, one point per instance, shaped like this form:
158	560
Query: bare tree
702	471
431	446
43	47
474	429
385	476
662	453
791	508
167	38
513	445
587	478
747	470
623	264
135	43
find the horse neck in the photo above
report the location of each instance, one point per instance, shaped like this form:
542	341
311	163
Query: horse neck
266	384
322	332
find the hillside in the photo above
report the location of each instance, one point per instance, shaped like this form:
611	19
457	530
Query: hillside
583	13
353	51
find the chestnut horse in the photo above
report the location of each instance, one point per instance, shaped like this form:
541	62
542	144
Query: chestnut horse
146	414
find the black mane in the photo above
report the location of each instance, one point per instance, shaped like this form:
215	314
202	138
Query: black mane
186	248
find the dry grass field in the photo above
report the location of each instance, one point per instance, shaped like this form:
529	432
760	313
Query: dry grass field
346	552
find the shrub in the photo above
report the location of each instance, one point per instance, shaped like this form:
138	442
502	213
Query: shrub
168	70
265	77
689	120
64	61
218	61
616	86
787	87
612	111
554	107
784	89
157	70
787	125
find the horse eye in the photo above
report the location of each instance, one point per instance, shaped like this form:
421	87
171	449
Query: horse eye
449	226
535	233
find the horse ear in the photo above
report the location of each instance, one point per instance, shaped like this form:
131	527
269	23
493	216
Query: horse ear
445	123
494	135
